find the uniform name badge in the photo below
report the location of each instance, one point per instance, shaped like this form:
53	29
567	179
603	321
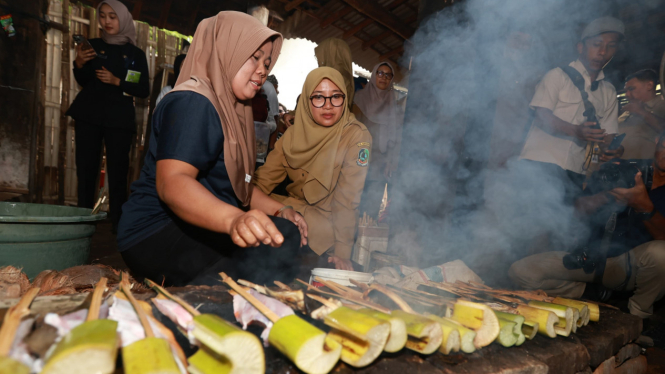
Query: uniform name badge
133	76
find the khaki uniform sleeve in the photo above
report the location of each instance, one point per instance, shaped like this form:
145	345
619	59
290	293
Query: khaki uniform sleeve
346	197
272	173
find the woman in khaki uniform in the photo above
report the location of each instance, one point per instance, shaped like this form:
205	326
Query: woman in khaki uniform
325	154
377	107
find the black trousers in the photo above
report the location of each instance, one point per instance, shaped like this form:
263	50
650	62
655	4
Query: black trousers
89	138
182	254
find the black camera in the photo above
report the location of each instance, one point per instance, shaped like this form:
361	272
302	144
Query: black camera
613	174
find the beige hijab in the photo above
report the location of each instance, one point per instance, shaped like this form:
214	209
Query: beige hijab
221	46
127	33
380	106
310	146
335	53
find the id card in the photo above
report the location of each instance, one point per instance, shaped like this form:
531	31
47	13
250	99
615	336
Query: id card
133	76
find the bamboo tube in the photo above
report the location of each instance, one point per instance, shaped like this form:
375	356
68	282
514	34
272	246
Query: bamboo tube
565	314
467	337
89	347
506	337
149	355
579	305
544	318
478	317
594	311
398	336
362	336
451	341
529	329
305	345
425	335
519	321
10	325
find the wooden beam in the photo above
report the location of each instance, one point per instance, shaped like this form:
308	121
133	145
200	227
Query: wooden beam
293	4
374	10
339	14
390	54
376	39
164	14
395	4
352	31
136	11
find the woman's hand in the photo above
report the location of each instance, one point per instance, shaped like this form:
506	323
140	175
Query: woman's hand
299	221
107	77
253	228
83	56
340	263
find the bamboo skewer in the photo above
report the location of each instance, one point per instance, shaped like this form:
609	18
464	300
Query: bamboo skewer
356	300
394	297
143	318
250	298
191	310
96	302
13	319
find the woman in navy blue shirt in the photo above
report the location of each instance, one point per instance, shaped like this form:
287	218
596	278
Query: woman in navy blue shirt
184	222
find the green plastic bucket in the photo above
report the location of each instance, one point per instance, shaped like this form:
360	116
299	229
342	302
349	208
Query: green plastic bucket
40	237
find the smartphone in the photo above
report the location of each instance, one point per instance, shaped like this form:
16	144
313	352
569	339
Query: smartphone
616	142
80	39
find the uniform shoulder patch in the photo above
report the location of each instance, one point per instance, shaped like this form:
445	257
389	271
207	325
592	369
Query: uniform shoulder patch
363	144
363	157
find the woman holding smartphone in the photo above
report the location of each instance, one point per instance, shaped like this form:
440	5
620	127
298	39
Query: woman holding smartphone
111	74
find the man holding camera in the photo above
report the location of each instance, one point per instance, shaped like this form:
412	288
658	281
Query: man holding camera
627	253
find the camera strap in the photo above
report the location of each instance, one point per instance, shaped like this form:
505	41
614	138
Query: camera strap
605	242
592	149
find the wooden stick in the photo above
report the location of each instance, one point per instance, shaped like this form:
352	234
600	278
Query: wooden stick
283	286
190	309
251	299
96	300
338	287
259	289
393	296
360	285
323	301
124	286
367	304
13	320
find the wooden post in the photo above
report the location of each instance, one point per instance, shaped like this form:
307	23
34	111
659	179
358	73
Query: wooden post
64	103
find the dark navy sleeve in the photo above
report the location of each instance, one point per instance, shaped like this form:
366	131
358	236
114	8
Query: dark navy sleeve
657	197
189	131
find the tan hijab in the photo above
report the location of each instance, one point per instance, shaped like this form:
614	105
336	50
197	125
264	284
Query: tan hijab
335	53
380	106
221	46
127	33
310	146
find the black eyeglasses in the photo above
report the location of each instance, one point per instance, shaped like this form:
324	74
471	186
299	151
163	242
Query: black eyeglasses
318	101
384	74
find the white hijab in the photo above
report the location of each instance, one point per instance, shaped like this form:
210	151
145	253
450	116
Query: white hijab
380	106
